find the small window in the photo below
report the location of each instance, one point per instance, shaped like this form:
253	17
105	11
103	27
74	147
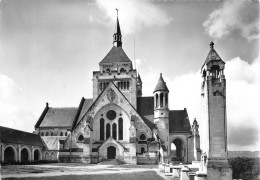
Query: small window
80	138
61	134
52	134
142	150
42	134
66	133
47	134
142	137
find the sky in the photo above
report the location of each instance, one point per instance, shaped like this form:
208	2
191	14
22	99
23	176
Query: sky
49	50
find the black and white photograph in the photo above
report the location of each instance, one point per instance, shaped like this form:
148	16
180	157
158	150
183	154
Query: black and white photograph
129	89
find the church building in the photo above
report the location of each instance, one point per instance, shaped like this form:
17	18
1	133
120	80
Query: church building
118	122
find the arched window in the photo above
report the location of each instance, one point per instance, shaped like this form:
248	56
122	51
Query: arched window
114	131
166	99
161	100
61	134
124	85
42	134
66	133
102	125
107	131
80	138
142	137
156	100
120	129
47	134
118	84
127	84
51	133
100	86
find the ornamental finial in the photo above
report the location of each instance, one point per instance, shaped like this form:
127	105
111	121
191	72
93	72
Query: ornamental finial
212	45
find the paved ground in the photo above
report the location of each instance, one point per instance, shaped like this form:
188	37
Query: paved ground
60	171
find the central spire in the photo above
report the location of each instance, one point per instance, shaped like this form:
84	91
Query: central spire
117	37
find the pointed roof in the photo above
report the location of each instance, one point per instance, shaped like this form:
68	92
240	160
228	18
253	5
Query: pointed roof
117	28
212	55
161	85
116	54
139	78
117	37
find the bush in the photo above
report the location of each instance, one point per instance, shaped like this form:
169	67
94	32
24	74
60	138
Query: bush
245	168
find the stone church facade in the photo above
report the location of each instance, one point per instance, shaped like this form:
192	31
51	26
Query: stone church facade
118	122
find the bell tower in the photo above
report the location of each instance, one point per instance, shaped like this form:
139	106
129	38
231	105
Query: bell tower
161	112
214	118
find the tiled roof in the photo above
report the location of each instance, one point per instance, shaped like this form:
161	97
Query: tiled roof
161	85
52	142
179	121
19	137
59	117
145	108
82	109
85	107
116	54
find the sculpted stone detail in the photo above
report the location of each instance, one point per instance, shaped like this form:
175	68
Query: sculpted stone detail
111	95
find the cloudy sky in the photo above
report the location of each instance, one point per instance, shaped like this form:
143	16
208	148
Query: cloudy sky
48	50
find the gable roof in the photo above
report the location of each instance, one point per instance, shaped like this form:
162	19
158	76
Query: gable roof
19	137
146	121
116	54
42	116
145	108
59	117
86	105
179	121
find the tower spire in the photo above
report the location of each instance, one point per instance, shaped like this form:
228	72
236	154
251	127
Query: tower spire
117	37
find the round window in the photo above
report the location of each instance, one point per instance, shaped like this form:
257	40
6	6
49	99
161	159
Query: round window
111	115
80	138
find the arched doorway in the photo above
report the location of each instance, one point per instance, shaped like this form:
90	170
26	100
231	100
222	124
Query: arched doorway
9	155
177	150
24	155
111	152
36	155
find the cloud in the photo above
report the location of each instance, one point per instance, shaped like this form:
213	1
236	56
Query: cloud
134	15
243	99
234	15
12	102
